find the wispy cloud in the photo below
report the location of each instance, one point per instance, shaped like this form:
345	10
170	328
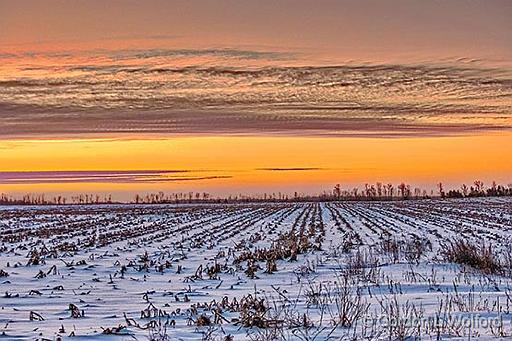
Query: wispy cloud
289	169
18	121
135	176
236	91
219	52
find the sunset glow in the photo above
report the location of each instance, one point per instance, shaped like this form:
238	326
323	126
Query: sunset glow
250	97
252	165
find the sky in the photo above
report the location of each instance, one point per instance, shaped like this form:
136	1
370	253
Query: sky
235	97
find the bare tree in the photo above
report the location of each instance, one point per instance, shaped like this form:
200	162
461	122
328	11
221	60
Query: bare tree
441	190
464	189
336	191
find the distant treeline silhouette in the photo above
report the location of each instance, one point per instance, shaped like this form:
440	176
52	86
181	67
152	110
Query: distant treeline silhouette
377	191
404	191
42	199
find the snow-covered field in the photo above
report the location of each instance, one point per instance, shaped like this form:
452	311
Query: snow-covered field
285	271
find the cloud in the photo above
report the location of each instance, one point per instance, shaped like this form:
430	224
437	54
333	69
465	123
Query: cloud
221	52
143	96
289	169
27	121
135	176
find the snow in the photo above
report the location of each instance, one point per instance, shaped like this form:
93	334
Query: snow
115	261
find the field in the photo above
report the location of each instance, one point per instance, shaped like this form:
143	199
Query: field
430	269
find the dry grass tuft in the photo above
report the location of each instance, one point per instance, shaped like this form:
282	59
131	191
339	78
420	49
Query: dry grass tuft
480	257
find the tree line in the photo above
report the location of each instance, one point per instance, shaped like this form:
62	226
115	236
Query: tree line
404	191
42	199
377	191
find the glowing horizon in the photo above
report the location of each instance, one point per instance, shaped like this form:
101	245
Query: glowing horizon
223	165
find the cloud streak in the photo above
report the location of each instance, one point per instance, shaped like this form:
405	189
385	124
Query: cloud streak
289	169
28	121
236	91
131	177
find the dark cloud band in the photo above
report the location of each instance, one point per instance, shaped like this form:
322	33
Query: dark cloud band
136	176
231	91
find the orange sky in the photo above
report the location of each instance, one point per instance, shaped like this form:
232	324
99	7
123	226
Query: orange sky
259	164
251	96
